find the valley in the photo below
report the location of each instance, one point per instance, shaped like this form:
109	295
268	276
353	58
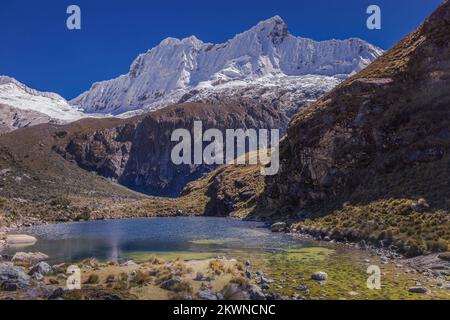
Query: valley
363	179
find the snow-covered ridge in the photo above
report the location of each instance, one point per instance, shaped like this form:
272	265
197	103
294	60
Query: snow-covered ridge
17	95
176	67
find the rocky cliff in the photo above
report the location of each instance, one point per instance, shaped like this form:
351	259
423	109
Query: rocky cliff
373	154
136	152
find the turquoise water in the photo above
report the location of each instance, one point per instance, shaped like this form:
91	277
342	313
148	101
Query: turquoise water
116	240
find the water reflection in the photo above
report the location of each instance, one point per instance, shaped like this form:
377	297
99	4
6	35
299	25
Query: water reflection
115	239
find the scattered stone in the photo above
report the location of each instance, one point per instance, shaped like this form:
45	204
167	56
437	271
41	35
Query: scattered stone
61	276
420	206
57	294
38	276
129	263
419	290
207	295
248	274
13	278
232	291
42	267
53	281
353	293
445	256
302	288
320	276
265	286
199	277
256	293
273	296
248	263
264	280
169	284
278	227
29	257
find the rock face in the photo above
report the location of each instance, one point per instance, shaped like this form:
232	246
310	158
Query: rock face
388	121
137	152
177	70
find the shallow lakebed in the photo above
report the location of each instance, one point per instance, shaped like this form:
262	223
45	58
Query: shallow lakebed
287	261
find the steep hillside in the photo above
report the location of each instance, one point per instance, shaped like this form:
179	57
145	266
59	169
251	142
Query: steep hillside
370	160
136	152
37	184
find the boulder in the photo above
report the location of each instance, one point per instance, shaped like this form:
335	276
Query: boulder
419	290
264	280
42	267
232	291
13	278
207	295
20	240
320	276
39	277
278	227
170	284
256	293
29	257
445	256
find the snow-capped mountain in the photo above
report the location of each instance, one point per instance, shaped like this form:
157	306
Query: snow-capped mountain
262	55
44	105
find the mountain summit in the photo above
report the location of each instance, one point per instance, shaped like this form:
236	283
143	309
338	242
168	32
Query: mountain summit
175	67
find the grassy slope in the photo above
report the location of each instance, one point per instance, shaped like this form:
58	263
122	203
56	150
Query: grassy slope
37	184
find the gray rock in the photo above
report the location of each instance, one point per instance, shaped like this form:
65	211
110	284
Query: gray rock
302	288
20	240
129	263
169	284
12	278
278	227
38	276
207	295
256	293
29	257
248	274
264	280
320	276
419	290
42	267
199	277
273	296
265	286
233	291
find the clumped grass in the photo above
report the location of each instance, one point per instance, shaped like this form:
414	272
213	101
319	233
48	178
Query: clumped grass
217	266
141	278
92	279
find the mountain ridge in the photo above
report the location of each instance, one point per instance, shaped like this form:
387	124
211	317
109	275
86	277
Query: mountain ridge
174	67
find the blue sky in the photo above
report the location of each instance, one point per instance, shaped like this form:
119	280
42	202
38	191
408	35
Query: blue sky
37	48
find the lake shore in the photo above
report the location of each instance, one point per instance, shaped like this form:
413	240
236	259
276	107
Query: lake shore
287	272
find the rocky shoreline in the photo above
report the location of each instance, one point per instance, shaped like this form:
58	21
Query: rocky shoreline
434	264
